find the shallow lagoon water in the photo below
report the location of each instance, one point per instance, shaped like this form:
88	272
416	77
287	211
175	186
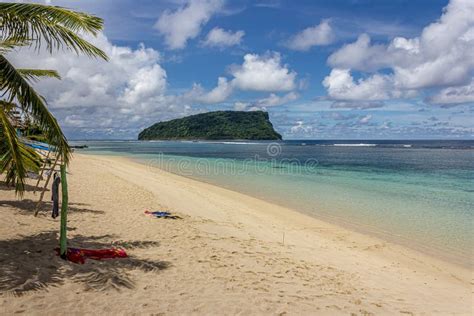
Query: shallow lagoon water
417	193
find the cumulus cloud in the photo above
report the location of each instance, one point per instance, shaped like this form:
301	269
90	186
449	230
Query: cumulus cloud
275	100
131	75
454	95
241	106
263	73
128	92
261	104
221	38
341	85
144	83
441	57
359	55
186	22
120	97
219	94
318	35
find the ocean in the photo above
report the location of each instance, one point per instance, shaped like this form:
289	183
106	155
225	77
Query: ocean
416	193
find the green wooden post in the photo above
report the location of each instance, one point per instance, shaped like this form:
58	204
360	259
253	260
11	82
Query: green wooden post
63	231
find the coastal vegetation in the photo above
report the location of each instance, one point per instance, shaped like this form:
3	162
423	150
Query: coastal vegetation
35	26
253	125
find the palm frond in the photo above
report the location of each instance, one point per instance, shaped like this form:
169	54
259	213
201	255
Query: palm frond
15	157
36	25
35	74
8	44
15	86
56	27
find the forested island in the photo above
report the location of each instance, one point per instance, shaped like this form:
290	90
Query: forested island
235	125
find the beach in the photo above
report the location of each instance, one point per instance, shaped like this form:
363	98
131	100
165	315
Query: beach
229	253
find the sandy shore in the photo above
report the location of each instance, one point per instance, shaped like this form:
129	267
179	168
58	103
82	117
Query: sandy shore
229	254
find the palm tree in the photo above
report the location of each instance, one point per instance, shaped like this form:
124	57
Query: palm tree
39	27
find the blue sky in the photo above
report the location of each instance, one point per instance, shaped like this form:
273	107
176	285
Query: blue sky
322	69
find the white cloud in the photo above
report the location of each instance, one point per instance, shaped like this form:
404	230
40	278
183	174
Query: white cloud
186	22
130	76
221	38
454	95
301	128
263	73
359	55
318	35
241	106
275	100
219	94
75	121
258	73
442	56
127	92
144	83
340	85
261	104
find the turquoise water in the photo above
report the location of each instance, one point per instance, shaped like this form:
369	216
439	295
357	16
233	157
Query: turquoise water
419	194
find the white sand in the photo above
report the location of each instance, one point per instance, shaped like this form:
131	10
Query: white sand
226	256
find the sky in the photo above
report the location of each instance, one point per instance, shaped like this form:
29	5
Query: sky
341	69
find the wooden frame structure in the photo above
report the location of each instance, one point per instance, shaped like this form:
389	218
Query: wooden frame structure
48	178
64	194
47	154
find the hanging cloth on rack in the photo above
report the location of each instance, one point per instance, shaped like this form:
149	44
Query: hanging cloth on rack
55	195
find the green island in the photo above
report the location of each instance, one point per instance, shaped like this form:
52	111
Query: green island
236	125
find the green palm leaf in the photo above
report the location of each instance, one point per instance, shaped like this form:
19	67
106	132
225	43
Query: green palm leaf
15	158
15	87
8	44
37	25
35	74
54	26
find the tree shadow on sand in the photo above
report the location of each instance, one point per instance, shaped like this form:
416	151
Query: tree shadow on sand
30	264
28	207
28	187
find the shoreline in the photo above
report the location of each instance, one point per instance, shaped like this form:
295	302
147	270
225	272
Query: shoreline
304	217
381	236
230	252
465	262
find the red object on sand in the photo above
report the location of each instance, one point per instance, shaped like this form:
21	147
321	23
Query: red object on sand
78	255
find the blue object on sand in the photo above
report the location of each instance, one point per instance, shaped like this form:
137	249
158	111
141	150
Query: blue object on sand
37	145
161	214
